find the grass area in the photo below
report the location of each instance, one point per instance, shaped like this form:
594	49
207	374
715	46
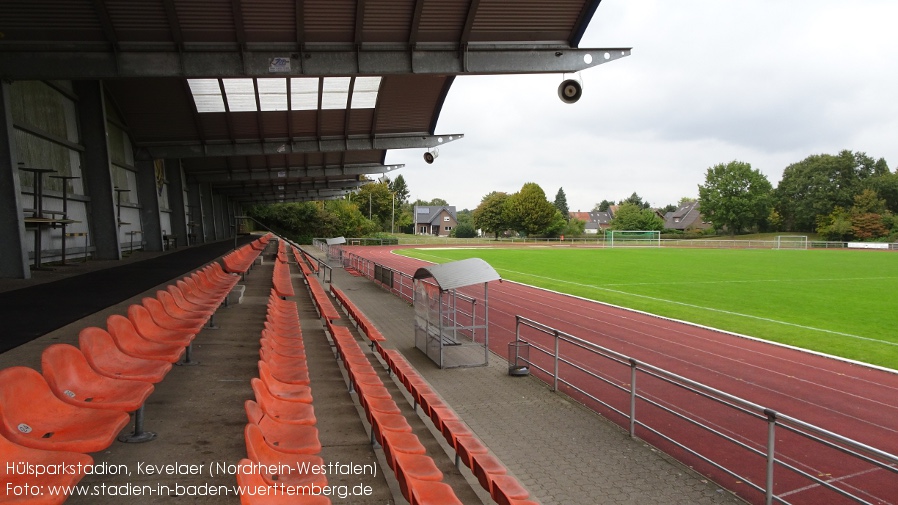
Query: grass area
833	301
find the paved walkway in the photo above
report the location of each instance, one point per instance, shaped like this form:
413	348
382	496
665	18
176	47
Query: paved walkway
561	451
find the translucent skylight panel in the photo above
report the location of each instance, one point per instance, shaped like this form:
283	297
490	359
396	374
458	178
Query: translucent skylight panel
304	93
364	92
241	95
206	95
335	93
272	94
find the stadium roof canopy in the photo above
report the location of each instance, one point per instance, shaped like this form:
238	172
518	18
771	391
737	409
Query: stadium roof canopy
287	100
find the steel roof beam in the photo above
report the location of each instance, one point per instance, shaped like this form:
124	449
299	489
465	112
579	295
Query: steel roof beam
290	173
22	62
255	148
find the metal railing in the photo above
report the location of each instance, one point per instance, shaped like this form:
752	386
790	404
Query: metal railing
581	369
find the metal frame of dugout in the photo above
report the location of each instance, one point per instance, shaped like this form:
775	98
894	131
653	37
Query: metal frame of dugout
447	329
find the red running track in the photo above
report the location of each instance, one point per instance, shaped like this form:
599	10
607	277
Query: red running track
855	401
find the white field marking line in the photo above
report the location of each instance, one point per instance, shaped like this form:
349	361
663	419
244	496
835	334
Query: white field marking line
735	281
709	309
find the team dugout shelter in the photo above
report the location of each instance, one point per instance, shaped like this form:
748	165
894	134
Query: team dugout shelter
146	124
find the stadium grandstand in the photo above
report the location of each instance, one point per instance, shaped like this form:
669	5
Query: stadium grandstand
154	350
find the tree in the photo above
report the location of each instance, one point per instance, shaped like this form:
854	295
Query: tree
836	225
630	216
529	211
735	196
464	230
574	228
668	208
561	204
820	183
490	215
400	189
636	200
375	201
603	206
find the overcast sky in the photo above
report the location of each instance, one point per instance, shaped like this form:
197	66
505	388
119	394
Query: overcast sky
767	82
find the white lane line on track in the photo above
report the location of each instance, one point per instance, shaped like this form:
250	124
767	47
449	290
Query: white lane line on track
700	307
837	479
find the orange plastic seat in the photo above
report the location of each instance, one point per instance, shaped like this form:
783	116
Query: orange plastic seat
188	304
166	320
426	492
31	415
130	342
171	306
249	478
16	454
148	328
290	352
73	381
466	447
292	438
391	422
485	467
101	352
396	441
414	467
506	490
259	451
285	391
283	410
287	374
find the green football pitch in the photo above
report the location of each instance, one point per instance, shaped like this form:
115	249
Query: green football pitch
842	303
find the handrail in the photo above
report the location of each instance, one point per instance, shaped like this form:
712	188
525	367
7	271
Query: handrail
815	434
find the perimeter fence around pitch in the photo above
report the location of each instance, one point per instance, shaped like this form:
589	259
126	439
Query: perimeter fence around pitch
775	456
600	242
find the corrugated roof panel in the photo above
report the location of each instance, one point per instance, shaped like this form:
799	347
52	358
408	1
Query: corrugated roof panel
139	20
360	121
524	20
333	122
214	126
272	94
206	20
304	123
244	125
329	20
269	20
50	20
443	21
407	103
387	20
274	124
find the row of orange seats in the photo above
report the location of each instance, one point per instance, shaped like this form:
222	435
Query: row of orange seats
283	285
241	260
361	321
469	449
420	481
281	432
82	400
323	305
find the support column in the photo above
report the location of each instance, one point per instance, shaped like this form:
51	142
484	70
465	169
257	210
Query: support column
13	254
195	220
148	194
95	170
176	199
208	212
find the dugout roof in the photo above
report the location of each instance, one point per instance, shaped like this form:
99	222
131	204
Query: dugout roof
287	100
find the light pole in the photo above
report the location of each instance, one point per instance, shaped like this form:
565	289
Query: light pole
393	216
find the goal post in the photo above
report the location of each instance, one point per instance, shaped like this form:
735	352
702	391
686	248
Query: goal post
634	238
791	242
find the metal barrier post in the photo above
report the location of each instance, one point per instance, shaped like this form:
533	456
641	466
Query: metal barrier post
771	453
633	365
555	379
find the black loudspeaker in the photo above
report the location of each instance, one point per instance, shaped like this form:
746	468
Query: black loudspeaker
570	91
